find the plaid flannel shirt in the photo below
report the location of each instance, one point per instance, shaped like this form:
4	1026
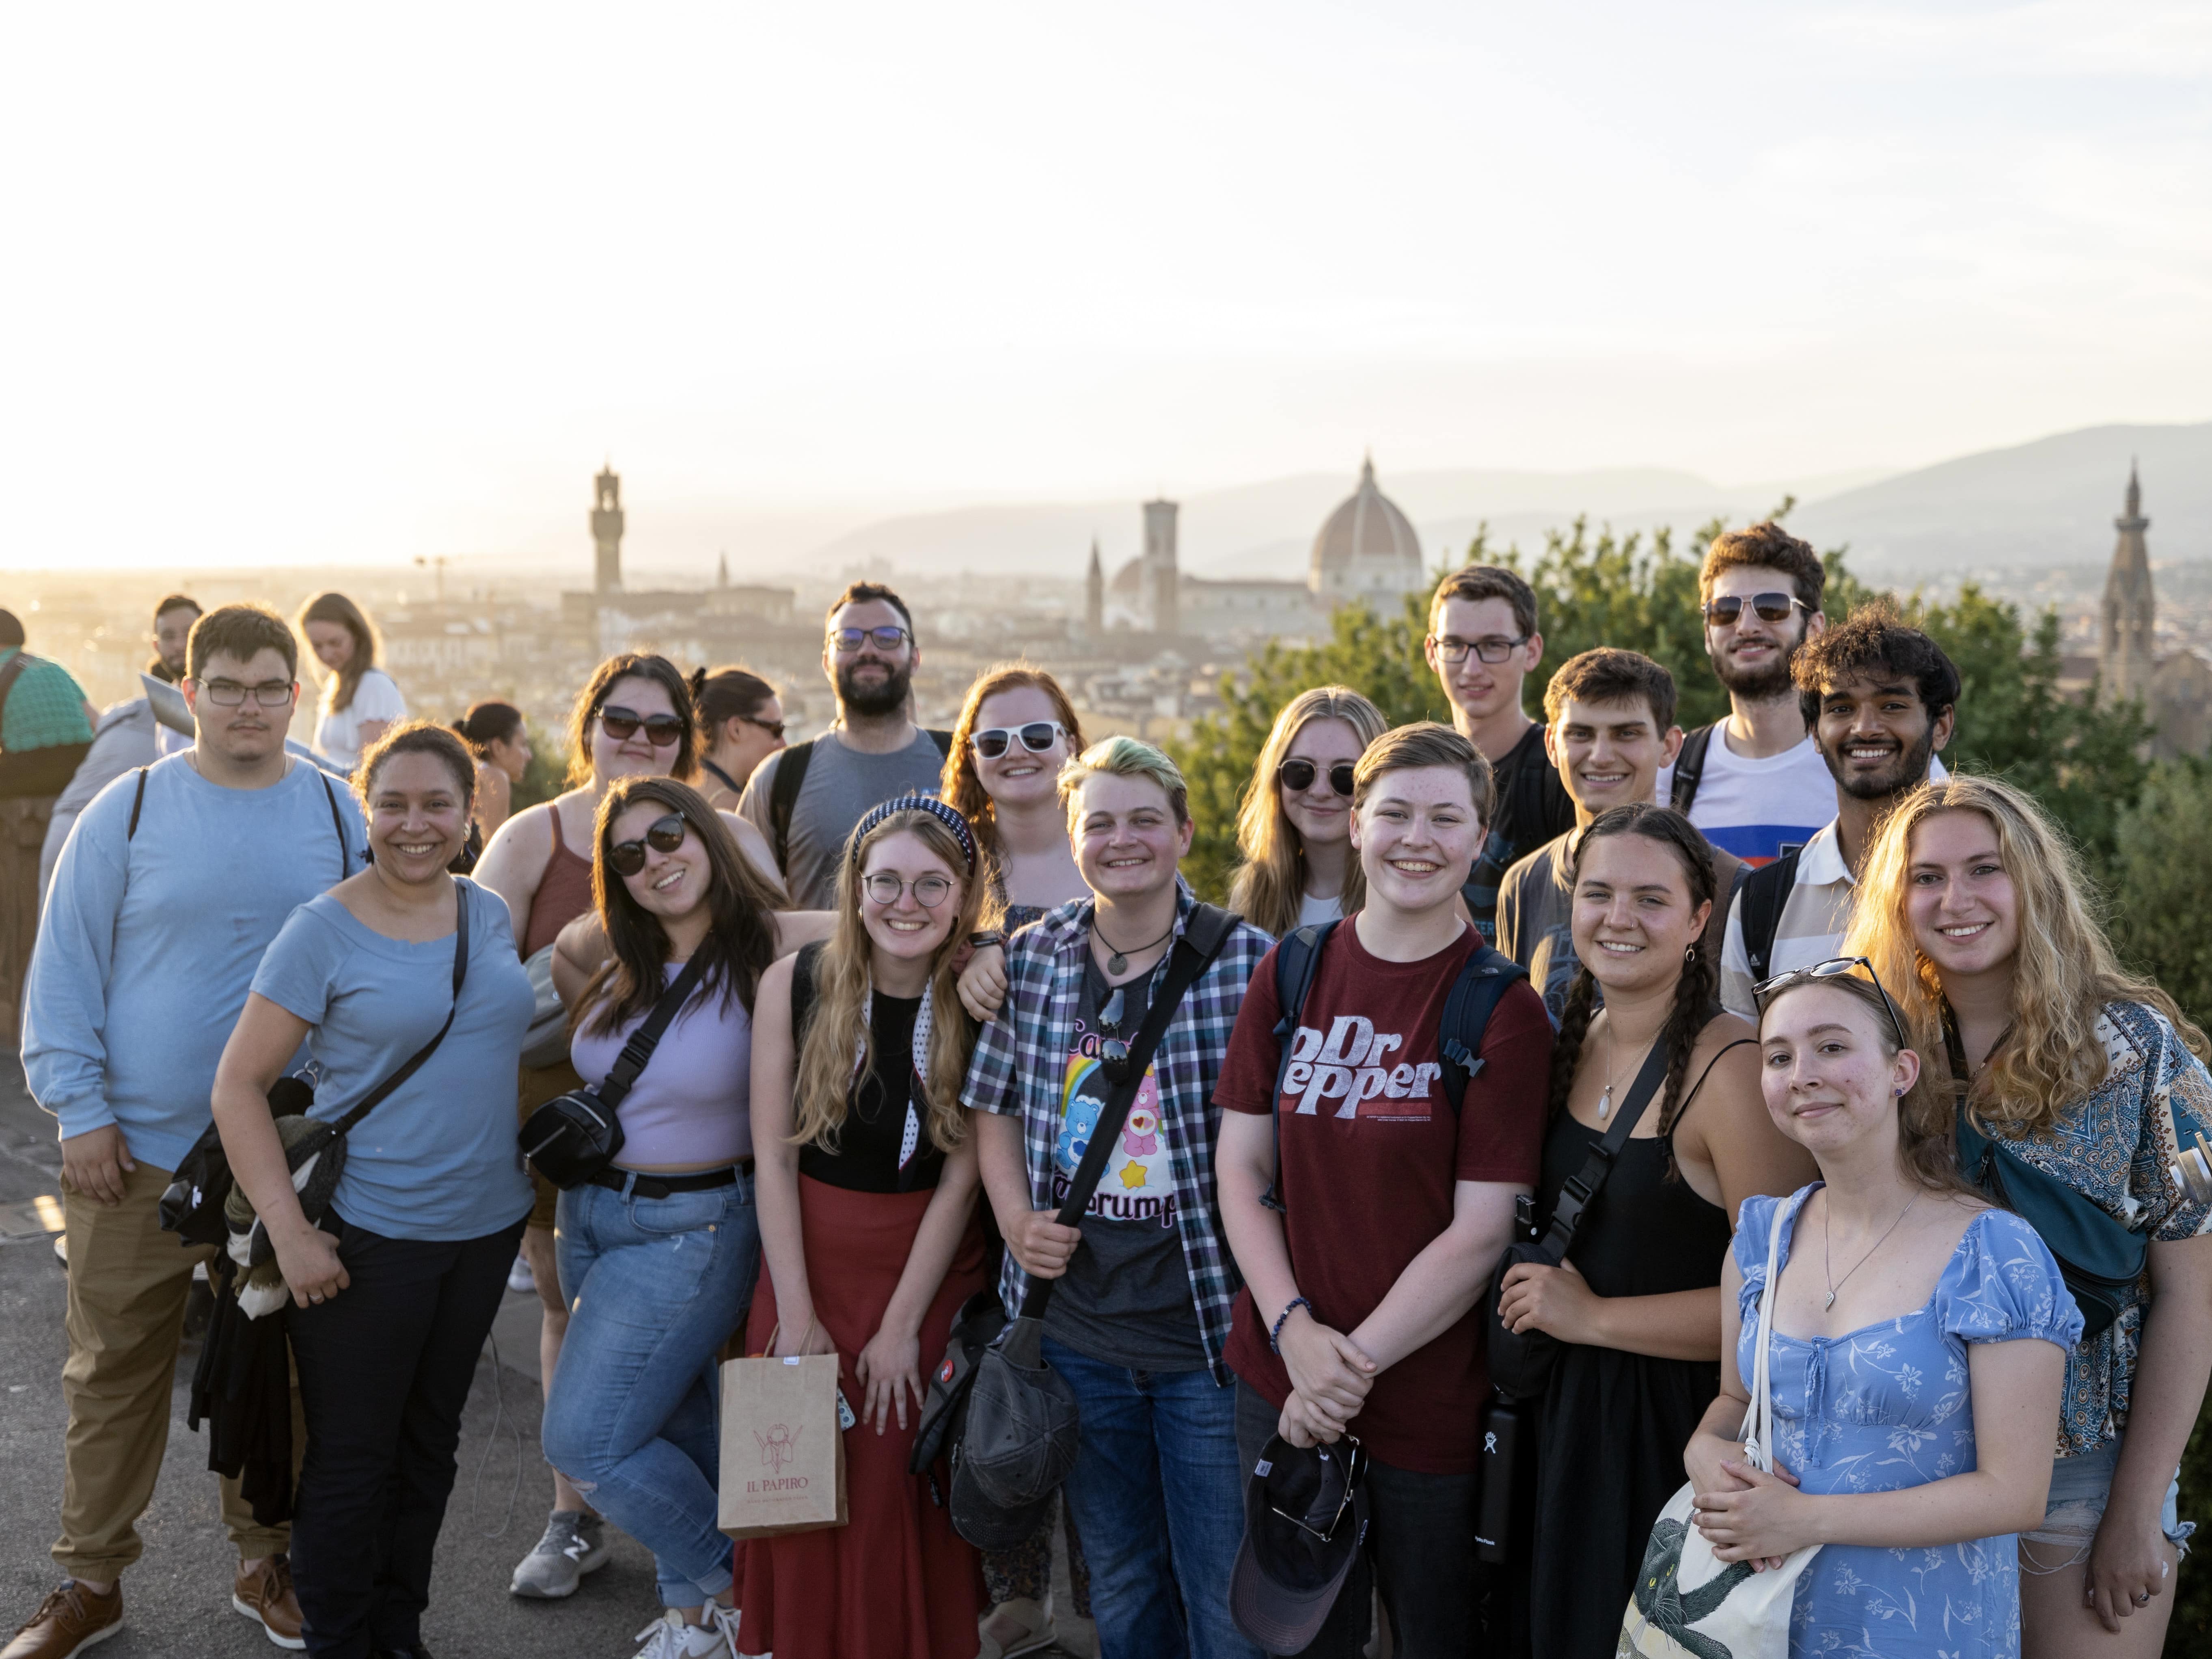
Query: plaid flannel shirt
1020	1066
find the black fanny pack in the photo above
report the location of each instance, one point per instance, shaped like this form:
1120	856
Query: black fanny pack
575	1136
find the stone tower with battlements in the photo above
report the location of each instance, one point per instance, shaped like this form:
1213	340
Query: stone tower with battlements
607	531
1162	580
2126	644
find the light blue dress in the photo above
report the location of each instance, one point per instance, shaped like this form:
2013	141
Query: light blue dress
1888	1407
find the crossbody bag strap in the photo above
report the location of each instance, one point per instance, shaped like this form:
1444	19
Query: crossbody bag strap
1191	958
416	1061
1758	1413
621	1076
1586	1184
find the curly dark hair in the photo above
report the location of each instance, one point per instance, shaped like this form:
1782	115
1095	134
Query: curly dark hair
1873	640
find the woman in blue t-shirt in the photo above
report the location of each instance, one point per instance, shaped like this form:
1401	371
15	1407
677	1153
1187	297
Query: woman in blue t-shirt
393	1293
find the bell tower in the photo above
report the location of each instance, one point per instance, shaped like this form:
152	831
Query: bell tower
2126	644
1094	596
607	530
1163	582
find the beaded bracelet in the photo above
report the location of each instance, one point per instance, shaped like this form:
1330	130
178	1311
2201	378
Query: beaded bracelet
1275	1336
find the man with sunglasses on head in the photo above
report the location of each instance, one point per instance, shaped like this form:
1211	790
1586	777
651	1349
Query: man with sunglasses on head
1482	642
1881	699
806	798
171	885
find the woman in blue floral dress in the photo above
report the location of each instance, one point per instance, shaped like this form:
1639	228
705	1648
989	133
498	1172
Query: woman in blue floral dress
1918	1340
1972	906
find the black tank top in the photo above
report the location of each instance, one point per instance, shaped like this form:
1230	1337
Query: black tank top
874	1154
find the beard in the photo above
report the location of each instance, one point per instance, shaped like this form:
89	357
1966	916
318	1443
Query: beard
885	697
1762	684
1909	768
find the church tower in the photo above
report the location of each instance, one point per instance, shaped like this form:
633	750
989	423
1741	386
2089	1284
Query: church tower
2126	644
1163	582
1094	597
607	530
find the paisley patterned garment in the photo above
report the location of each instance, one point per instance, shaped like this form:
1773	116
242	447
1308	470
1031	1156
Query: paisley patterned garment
1889	1406
2117	1145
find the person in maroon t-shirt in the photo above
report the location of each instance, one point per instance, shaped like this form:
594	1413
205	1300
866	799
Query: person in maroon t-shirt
1357	1312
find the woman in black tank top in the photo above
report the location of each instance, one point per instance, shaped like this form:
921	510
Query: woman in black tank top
1638	1303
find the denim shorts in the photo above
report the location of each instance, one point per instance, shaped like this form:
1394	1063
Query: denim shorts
2080	1486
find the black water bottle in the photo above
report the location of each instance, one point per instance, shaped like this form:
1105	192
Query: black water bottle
1493	1522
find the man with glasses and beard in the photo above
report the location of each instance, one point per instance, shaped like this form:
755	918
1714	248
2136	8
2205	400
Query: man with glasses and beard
1881	699
806	798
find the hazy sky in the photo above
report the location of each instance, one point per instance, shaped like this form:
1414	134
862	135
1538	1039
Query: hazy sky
287	283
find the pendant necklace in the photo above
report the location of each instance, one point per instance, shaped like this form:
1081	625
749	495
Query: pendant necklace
1605	1098
1835	1284
1118	962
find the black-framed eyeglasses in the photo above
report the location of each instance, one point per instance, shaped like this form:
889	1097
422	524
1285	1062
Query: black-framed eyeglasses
1494	649
663	835
1767	607
773	728
849	640
1037	737
229	694
1298	776
1355	1470
1835	968
621	724
929	890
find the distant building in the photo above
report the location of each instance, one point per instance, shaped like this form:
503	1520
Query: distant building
2176	691
607	531
1094	597
1367	550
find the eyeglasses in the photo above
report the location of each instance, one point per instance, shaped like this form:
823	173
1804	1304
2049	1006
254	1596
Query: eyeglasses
229	694
1492	650
773	728
1769	607
627	858
929	890
1355	1471
1834	968
621	724
849	640
1037	737
1298	776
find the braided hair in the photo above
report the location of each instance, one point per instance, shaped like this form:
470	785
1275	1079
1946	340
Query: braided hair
1696	987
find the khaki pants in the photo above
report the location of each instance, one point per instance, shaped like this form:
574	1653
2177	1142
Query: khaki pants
128	1282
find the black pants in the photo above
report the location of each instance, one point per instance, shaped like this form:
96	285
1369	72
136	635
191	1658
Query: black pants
1419	1553
385	1367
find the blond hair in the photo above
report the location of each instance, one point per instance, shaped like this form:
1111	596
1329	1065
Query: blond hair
822	1091
2063	969
1126	758
1269	882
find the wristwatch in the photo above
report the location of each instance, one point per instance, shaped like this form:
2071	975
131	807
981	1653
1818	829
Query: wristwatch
987	937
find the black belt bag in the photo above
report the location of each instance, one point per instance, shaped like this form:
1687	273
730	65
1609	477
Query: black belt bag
573	1138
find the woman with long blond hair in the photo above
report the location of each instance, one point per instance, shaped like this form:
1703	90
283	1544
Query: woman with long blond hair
1293	830
1973	904
867	1184
361	701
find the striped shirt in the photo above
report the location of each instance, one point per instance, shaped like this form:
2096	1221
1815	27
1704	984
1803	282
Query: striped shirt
44	709
1809	930
1020	1065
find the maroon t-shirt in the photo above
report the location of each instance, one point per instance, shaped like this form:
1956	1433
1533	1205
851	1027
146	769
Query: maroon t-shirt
1371	1150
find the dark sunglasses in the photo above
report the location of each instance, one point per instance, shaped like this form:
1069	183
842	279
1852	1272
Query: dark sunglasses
1355	1470
1297	776
621	724
627	858
849	640
1037	737
1768	607
773	728
1834	968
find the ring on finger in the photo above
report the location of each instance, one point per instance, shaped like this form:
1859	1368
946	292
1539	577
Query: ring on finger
2142	1598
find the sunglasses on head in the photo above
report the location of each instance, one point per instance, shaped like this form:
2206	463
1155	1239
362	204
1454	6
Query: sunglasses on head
1298	776
1355	1470
621	724
1037	737
627	858
1834	968
1768	607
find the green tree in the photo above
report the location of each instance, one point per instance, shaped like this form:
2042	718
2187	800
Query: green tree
547	774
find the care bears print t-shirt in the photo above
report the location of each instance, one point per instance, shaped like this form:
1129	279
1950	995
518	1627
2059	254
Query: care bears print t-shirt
1125	1295
1372	1151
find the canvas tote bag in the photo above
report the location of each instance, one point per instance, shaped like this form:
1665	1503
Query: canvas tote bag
783	1457
1688	1605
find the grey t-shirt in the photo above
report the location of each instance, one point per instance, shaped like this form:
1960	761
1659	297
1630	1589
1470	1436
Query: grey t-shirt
1125	1298
841	785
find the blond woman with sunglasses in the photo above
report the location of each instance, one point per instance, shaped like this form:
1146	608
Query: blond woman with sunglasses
1294	827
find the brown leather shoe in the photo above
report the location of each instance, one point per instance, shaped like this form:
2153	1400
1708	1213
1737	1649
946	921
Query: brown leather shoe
70	1620
262	1592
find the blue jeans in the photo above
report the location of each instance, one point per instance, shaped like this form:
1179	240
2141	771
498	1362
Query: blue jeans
1158	1493
654	1285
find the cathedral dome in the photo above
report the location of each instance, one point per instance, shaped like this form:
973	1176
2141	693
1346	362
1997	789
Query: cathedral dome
1366	548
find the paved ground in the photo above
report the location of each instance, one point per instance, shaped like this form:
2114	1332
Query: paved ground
177	1599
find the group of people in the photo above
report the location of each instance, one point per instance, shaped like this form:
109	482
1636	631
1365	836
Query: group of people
893	984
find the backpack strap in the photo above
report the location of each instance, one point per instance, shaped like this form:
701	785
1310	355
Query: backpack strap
1690	768
1766	890
783	794
1296	958
942	739
338	823
1485	979
138	802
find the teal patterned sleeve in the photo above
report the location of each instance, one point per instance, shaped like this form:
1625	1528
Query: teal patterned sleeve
2178	1113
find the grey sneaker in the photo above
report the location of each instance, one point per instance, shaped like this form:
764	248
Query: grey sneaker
572	1546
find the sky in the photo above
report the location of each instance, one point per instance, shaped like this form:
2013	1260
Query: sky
290	284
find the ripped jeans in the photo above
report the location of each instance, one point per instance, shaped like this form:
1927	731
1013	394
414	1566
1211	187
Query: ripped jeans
654	1285
2080	1487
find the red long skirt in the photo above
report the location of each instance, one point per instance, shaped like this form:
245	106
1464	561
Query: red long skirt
896	1582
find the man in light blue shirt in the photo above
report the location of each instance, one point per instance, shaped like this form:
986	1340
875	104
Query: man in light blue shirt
171	885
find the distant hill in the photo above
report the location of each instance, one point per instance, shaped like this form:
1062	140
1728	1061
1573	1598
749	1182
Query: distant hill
2047	502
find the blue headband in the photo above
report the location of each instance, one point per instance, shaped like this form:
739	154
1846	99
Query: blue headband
948	816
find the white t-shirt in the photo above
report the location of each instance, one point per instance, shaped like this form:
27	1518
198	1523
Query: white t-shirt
337	735
1754	808
1312	911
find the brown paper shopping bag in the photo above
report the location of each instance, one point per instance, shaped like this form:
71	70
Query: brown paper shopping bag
783	1458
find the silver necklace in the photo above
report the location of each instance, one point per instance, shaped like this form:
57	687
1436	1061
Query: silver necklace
1605	1098
1826	1264
1118	962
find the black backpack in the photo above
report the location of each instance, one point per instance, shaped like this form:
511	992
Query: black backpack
791	772
1690	768
1764	891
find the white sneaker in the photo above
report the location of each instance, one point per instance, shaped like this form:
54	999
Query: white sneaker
669	1637
724	1621
519	1279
